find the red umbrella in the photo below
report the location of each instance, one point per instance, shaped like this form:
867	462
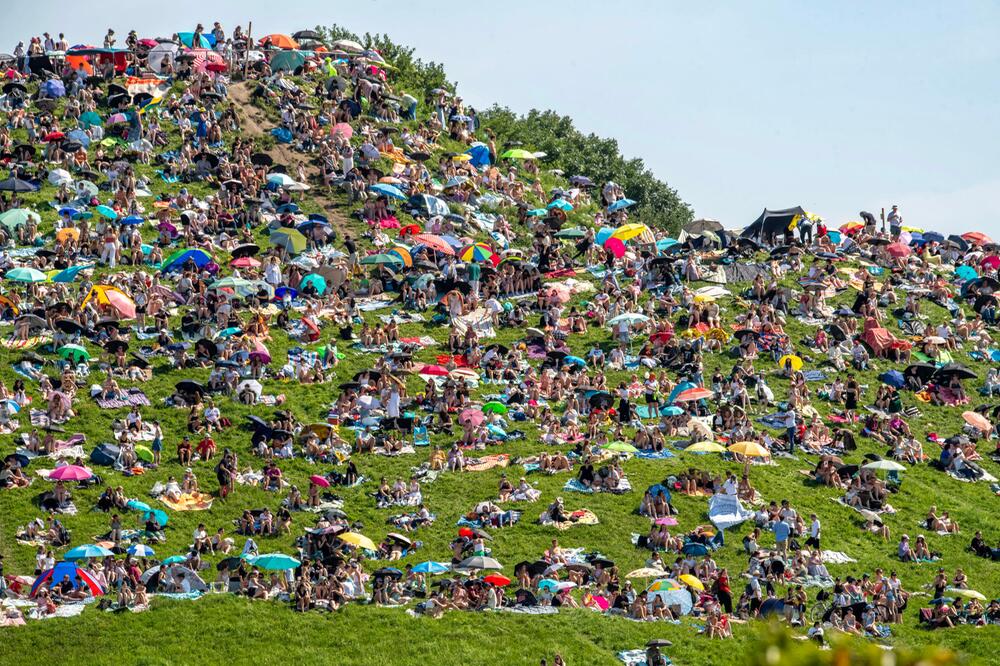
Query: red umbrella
70	473
437	370
410	229
54	136
898	250
977	238
697	393
319	481
245	262
466	532
216	67
434	242
498	580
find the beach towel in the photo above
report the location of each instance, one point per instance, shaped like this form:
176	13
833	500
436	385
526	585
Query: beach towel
189	502
727	511
129	398
479	320
636	657
405	450
578	517
11	342
654	455
487	462
836	557
574	486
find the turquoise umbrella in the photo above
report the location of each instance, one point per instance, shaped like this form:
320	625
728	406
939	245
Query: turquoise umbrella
561	204
17	217
432	568
87	550
106	212
89	119
275	561
161	516
966	272
174	559
69	274
138	505
318	282
25	274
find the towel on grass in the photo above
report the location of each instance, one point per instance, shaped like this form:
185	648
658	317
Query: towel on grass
636	657
727	511
128	398
189	502
574	486
578	517
654	455
487	462
836	557
12	342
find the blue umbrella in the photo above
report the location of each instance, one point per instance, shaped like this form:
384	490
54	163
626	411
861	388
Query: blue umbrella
893	378
671	410
138	505
621	203
561	204
132	220
83	215
603	234
280	292
174	559
141	550
161	516
107	212
658	488
537	212
68	210
288	208
576	360
933	237
966	272
87	550
432	567
680	388
694	548
388	190
206	41
916	238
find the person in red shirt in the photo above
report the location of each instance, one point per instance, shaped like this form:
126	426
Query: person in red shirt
206	447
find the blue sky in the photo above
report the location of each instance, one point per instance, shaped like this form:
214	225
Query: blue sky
834	106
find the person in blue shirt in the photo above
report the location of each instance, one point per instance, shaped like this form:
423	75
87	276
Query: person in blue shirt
781	533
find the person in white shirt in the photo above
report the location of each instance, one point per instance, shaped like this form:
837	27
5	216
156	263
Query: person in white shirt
730	486
814	532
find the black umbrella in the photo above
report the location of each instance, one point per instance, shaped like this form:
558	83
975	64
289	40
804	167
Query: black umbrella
210	348
16	185
388	572
658	642
141	98
211	158
117	89
138	361
261	159
115	101
602	562
307	34
420	156
837	332
72	146
742	334
114	346
922	371
601	400
185	57
189	386
247	250
945	373
280	434
350	386
14	87
258	423
70	326
230	563
373	375
535	568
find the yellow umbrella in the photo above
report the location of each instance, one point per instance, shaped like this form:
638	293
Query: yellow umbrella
359	540
749	449
404	254
692	581
68	232
706	447
627	231
793	359
461	158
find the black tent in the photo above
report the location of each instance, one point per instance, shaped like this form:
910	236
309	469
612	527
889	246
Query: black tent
772	222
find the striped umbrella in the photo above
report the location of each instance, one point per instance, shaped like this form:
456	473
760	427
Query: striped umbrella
478	252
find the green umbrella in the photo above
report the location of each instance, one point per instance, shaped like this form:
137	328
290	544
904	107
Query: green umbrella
74	352
290	239
275	561
518	154
16	217
572	232
89	119
231	282
26	274
315	279
621	447
373	259
495	407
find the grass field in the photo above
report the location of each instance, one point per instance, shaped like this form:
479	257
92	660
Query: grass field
219	628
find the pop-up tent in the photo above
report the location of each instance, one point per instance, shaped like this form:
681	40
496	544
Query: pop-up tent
772	222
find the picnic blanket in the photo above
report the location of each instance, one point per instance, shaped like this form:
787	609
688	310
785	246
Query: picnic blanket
487	462
636	657
12	342
836	557
727	511
479	320
128	398
578	517
189	502
574	486
404	450
654	455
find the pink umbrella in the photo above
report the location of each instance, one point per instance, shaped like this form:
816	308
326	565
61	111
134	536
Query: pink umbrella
898	250
203	58
472	417
992	262
260	353
342	129
697	393
245	262
169	228
122	303
319	481
70	473
616	247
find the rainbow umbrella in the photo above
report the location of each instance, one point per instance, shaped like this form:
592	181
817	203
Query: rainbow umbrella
478	252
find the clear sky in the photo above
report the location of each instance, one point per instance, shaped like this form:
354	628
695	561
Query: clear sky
837	107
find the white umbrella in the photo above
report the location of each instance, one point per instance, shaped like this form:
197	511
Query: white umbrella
59	176
160	55
251	384
348	45
887	465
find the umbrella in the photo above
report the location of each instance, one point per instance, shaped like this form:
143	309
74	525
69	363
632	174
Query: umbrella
479	562
16	217
977	421
432	568
885	465
497	579
471	417
74	352
70	473
26	274
87	551
17	185
968	594
359	540
790	359
141	550
691	394
478	252
705	447
495	407
646	572
275	562
388	190
663	585
292	240
694	548
621	447
691	581
953	370
319	480
749	449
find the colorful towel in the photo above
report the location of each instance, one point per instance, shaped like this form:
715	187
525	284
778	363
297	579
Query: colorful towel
129	398
11	342
189	502
487	462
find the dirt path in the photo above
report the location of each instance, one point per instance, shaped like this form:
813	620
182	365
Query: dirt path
255	124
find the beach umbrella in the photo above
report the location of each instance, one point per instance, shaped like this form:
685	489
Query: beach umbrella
495	407
705	447
174	559
694	548
899	250
315	279
478	252
629	231
697	393
138	505
388	190
359	540
790	359
885	465
663	585
17	185
517	154
621	447
16	217
89	119
26	274
646	572
436	243
479	562
471	417
87	551
498	580
966	273
141	550
749	449
293	241
968	594
74	353
319	481
692	581
275	562
977	238
70	473
432	568
978	421
631	318
620	204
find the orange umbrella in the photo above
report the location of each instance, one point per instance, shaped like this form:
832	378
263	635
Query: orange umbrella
977	238
280	41
434	242
978	421
68	232
851	227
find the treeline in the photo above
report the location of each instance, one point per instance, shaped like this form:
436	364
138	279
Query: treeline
567	148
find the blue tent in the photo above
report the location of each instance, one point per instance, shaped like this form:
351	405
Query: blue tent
480	155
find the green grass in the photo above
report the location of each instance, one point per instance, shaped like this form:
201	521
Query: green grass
188	632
